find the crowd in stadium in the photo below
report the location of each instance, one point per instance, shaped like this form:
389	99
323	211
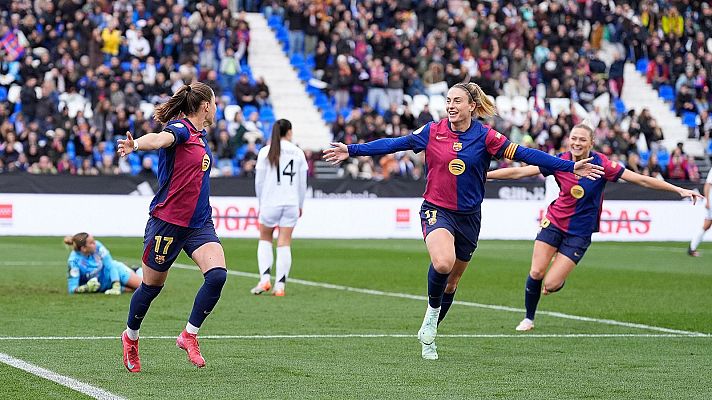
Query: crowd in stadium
374	57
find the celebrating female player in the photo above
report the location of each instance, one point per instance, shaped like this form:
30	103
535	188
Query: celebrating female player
180	215
92	269
280	184
573	217
458	151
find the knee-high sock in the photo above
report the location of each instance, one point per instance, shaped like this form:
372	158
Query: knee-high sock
140	302
284	264
264	259
448	298
208	295
436	287
532	293
697	240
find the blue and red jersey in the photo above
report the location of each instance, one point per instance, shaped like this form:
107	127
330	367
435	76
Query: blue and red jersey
577	210
457	162
183	196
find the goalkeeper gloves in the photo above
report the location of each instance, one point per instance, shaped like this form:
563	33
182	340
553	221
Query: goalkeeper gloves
92	286
115	289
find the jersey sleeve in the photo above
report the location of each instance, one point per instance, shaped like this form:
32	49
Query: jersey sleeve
497	143
260	171
303	171
179	131
416	141
709	177
547	171
73	275
612	170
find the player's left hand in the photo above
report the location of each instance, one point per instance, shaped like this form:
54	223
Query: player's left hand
336	154
585	169
125	146
694	196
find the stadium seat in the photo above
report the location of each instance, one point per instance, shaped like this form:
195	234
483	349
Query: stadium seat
71	150
267	114
147	109
3	93
644	157
109	147
297	60
13	94
248	109
663	158
620	106
667	92
642	65
521	103
689	119
304	75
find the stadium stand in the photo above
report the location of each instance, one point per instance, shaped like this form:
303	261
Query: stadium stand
371	69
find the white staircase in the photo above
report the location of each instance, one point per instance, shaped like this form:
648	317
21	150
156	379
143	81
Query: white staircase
289	97
638	94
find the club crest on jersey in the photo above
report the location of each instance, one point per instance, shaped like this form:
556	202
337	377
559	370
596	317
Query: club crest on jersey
456	166
206	163
160	259
577	191
457	146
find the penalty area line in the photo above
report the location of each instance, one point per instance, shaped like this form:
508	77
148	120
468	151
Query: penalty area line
71	383
369	336
465	303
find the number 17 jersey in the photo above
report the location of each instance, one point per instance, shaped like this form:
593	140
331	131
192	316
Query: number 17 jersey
284	184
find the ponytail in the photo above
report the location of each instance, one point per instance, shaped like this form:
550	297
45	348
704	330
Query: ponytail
484	106
77	241
279	130
185	101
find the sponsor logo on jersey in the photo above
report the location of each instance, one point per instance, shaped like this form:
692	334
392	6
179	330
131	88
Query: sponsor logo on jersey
456	166
545	222
417	131
74	272
457	146
178	125
160	259
206	163
440	137
577	191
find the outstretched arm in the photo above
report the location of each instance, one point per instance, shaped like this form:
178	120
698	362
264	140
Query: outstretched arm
514	172
652	183
542	159
340	152
152	141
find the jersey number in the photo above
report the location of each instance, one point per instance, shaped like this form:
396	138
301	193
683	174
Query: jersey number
290	173
167	239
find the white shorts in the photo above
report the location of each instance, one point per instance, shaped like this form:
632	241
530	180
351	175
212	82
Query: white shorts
283	216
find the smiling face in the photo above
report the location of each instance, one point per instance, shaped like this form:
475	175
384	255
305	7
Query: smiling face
459	105
580	142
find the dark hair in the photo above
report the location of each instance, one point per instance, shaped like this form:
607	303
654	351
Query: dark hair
77	241
279	130
185	101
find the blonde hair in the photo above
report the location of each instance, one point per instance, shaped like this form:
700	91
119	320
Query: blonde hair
484	106
585	125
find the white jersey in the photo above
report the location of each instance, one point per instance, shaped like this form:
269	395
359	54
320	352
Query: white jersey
285	185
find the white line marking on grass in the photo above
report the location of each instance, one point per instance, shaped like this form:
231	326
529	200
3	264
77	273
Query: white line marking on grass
6	263
371	336
66	381
466	303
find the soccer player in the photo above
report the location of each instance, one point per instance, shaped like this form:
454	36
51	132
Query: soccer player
572	218
91	268
458	151
180	215
280	184
708	219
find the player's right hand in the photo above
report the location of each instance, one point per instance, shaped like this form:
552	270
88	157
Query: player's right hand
125	146
92	286
585	169
336	154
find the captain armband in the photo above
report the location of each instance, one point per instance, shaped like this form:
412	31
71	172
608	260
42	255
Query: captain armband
510	150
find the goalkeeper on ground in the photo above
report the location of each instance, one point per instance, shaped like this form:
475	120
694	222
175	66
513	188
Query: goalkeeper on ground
91	268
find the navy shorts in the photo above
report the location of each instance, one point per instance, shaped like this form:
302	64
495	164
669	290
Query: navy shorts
163	242
572	246
464	227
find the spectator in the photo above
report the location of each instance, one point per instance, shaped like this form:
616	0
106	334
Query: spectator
677	166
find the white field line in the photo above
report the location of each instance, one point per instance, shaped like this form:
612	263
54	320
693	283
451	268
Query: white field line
367	336
66	381
465	303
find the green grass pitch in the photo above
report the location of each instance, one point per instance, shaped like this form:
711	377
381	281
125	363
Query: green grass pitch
653	284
